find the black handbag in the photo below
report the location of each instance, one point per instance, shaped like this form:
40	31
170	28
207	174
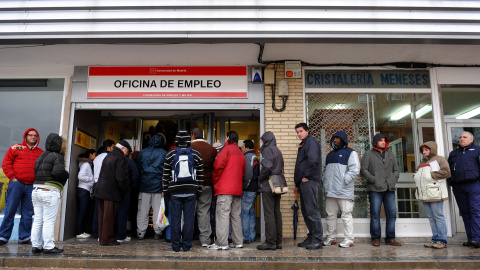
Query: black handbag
278	184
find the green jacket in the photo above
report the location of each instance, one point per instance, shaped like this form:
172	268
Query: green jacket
381	173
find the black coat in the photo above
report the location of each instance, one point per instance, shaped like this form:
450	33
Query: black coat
309	163
50	165
113	181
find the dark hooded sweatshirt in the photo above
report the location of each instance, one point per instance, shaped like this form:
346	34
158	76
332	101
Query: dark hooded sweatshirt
272	161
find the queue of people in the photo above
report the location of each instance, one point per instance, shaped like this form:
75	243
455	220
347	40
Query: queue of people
219	186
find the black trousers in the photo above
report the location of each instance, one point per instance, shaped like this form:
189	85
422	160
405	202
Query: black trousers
273	218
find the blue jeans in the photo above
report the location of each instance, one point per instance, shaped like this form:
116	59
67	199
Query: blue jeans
468	200
17	192
310	211
434	212
122	217
248	215
389	204
182	237
45	204
168	230
83	200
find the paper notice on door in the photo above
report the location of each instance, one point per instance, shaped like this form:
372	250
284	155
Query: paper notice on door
434	166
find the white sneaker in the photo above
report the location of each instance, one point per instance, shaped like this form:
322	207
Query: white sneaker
329	242
217	247
235	246
127	239
204	245
346	243
83	236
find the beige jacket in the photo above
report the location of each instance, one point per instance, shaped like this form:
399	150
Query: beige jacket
431	186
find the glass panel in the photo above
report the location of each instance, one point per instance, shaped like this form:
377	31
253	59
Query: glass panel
363	115
22	108
458	100
457	131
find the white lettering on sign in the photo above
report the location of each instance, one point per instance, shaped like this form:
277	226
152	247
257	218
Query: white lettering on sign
167	82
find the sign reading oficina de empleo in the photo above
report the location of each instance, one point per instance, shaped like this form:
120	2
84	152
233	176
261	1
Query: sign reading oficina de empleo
168	82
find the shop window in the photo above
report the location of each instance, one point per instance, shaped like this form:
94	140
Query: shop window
28	104
361	116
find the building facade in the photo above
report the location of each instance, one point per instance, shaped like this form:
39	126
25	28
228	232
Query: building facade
83	69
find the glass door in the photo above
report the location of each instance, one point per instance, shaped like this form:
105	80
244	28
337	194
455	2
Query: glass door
197	120
453	134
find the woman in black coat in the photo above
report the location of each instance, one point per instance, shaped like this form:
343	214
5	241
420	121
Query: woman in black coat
50	177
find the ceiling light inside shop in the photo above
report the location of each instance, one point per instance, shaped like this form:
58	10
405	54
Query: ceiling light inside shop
424	110
469	114
340	106
400	114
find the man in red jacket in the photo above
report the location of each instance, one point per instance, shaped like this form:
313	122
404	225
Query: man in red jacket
227	179
18	166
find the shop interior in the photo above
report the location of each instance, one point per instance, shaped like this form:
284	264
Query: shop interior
92	127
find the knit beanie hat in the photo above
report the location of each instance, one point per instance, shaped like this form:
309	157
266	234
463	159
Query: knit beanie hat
182	139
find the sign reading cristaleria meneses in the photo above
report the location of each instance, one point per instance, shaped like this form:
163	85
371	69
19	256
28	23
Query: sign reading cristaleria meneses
367	79
168	82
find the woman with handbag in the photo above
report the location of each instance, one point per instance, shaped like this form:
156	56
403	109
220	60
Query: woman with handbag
431	184
271	166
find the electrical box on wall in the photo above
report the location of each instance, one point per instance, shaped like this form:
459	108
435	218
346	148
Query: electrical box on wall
293	69
269	76
257	74
283	88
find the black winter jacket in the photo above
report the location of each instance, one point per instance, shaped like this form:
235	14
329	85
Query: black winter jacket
272	161
50	165
309	162
113	181
464	164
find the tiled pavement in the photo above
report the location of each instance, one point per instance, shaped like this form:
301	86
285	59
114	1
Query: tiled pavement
156	254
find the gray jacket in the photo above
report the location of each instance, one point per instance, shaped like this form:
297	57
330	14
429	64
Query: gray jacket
381	172
272	161
341	168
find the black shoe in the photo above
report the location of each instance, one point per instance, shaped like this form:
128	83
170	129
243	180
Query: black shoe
37	250
279	245
114	243
467	244
25	242
3	242
475	244
314	246
266	246
52	251
305	243
168	240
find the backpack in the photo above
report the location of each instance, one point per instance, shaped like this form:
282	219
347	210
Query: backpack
183	167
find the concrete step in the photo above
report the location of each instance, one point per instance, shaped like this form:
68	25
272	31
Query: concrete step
156	254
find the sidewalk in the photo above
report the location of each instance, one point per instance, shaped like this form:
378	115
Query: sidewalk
156	254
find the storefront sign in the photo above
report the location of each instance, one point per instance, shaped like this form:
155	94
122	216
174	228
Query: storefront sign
168	82
367	79
84	140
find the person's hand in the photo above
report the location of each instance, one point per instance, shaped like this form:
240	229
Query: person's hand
304	180
295	190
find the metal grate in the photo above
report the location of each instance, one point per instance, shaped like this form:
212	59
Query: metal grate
329	113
